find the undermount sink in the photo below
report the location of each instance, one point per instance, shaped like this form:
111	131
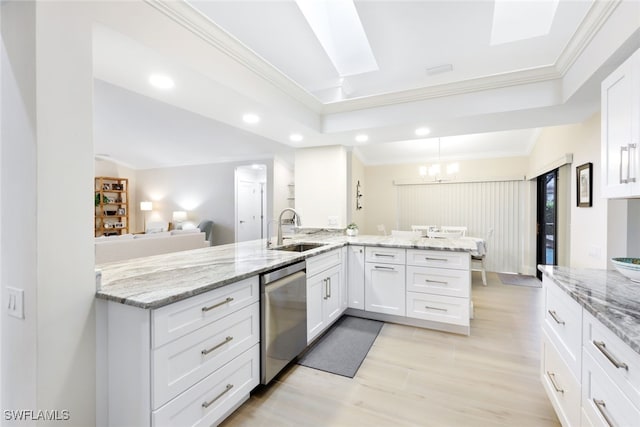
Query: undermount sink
298	247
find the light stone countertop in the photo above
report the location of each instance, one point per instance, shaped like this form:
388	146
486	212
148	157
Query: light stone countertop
155	281
609	296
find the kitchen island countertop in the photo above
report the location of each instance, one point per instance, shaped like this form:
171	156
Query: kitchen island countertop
609	296
155	281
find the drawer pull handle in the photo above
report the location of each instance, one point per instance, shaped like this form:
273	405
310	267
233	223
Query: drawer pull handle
385	255
212	401
428	307
602	408
435	259
552	378
207	351
211	307
556	318
379	267
603	349
436	281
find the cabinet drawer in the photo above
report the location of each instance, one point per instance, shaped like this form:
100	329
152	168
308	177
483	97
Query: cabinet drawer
563	323
175	320
444	259
439	281
615	357
181	363
560	385
221	392
385	255
438	308
604	404
319	263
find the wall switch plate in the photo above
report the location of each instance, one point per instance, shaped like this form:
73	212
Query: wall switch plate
15	302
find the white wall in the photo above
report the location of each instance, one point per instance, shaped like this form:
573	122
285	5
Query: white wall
588	226
283	187
321	186
204	191
19	223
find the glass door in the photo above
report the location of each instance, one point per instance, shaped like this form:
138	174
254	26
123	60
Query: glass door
547	218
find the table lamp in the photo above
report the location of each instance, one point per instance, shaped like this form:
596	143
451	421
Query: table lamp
145	207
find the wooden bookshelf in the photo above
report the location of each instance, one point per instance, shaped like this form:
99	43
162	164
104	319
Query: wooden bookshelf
111	206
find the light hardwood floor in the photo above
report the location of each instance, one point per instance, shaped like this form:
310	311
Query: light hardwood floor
417	377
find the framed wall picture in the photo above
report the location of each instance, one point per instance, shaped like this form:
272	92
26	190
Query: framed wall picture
584	177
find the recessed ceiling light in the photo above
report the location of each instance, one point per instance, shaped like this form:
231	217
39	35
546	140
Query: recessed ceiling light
423	131
251	118
161	81
362	138
295	137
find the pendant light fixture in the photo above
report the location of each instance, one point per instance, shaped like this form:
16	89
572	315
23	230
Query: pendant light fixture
435	170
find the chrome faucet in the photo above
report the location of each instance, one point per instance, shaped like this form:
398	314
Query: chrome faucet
298	223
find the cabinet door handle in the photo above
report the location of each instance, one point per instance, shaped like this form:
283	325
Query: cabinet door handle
555	317
622	150
428	307
602	408
380	267
552	378
435	259
211	402
600	345
629	177
324	282
328	287
436	281
217	346
211	307
385	255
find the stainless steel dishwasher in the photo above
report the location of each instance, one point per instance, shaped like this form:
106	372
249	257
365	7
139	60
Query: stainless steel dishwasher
283	326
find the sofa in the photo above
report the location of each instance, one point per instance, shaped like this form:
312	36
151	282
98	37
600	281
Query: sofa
129	246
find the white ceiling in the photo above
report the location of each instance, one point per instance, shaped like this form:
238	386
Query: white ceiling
262	57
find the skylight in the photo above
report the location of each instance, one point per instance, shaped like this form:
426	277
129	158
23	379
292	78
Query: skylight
337	26
521	20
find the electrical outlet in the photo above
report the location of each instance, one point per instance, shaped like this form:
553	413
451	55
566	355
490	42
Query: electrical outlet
332	220
15	302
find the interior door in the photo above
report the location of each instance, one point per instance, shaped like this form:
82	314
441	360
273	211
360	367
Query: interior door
547	219
249	226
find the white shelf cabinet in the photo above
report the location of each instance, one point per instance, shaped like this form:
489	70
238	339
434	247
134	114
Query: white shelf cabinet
324	292
620	139
355	277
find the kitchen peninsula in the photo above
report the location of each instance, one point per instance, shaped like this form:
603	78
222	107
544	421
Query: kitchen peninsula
179	333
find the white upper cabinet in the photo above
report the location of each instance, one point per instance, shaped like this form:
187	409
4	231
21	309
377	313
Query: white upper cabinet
621	130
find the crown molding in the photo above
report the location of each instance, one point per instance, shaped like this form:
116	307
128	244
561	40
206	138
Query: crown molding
596	17
190	18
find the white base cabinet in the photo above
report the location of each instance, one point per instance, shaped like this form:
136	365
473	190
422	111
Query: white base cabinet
385	289
591	376
188	363
355	277
324	292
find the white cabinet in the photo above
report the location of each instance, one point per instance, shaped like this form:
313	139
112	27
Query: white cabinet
188	363
610	377
620	139
561	352
324	292
439	286
385	289
355	277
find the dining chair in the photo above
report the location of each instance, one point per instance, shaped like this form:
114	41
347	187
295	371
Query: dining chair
424	229
461	229
406	234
